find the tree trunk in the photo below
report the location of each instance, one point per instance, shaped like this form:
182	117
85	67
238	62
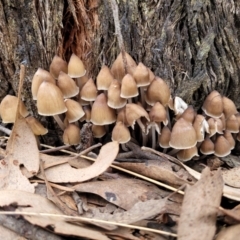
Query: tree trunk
193	45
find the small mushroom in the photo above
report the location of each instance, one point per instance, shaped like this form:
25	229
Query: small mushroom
104	78
36	127
74	110
76	68
229	107
89	91
187	154
222	147
207	146
57	65
71	135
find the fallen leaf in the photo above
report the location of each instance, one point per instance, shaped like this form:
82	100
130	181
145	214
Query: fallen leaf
157	170
123	192
232	177
64	173
229	233
21	150
33	203
199	208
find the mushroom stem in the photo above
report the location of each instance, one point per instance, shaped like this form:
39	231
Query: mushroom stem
168	118
142	97
124	148
141	125
173	152
153	137
129	100
144	139
59	121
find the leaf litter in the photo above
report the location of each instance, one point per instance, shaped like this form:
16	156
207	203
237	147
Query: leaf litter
120	198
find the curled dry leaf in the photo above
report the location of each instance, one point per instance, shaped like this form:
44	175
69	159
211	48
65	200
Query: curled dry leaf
157	170
199	209
123	192
33	203
65	173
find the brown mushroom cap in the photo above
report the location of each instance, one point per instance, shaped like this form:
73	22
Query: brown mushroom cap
158	91
207	146
117	68
114	99
74	110
158	114
189	114
183	135
57	65
213	105
222	147
121	133
141	75
87	116
36	127
76	68
71	135
101	113
89	91
81	81
232	124
228	135
8	109
67	85
164	137
229	107
201	126
40	76
134	112
187	154
98	131
50	100
104	78
128	87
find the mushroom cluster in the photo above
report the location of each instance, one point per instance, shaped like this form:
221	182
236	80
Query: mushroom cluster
130	101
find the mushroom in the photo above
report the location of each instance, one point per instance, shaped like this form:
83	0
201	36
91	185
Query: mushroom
222	147
89	91
187	154
50	102
71	135
121	134
229	107
118	68
36	127
232	124
114	99
157	115
228	135
57	65
74	110
8	109
76	68
104	78
141	76
40	76
128	88
189	114
183	135
67	85
207	146
213	105
164	137
98	131
101	113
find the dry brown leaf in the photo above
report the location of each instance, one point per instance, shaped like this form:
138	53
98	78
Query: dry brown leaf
229	192
29	202
232	177
229	233
64	173
124	192
21	150
157	170
199	209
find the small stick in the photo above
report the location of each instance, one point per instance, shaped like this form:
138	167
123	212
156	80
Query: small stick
118	33
55	149
5	130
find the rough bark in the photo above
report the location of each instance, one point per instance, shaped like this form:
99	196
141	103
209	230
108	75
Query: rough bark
194	45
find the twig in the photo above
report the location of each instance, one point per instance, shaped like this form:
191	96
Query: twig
5	130
90	220
55	149
26	229
118	33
